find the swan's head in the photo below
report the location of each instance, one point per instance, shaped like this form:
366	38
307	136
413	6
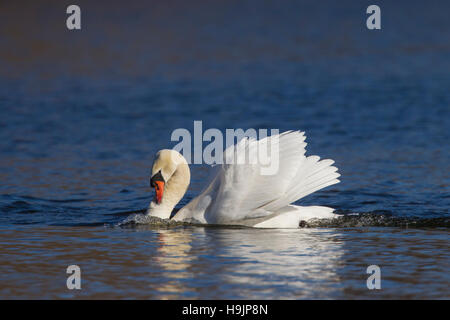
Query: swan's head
163	168
170	178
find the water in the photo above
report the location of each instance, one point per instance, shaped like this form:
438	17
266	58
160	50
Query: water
83	113
218	263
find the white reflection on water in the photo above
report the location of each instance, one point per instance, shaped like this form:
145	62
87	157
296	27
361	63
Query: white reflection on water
174	260
303	262
248	263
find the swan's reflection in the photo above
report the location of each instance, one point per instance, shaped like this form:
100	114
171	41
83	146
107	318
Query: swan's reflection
174	259
284	263
242	263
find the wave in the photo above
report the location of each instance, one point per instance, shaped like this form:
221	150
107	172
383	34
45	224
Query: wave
349	220
379	220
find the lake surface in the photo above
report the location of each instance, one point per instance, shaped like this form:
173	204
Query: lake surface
82	114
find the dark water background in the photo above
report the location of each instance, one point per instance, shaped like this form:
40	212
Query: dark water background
83	112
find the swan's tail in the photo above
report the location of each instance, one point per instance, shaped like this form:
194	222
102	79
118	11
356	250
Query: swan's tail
295	217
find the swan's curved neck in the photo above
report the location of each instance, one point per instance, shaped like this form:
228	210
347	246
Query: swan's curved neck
174	190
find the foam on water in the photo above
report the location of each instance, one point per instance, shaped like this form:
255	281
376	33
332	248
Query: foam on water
377	220
144	219
350	220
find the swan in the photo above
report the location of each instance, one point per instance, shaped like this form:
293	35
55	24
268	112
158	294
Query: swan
239	194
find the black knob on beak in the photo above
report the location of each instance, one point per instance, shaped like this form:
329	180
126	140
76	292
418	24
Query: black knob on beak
157	177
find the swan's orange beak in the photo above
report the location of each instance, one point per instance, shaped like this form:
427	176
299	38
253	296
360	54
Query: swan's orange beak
157	182
159	189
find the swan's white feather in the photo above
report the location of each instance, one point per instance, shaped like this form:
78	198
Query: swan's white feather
240	192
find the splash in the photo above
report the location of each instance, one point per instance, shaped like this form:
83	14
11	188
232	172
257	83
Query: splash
378	220
144	219
348	220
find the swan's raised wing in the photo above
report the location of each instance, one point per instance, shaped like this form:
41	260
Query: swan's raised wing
242	189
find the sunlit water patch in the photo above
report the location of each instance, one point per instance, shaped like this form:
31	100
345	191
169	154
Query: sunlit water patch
187	262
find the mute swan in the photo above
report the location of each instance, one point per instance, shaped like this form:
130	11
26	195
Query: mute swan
239	194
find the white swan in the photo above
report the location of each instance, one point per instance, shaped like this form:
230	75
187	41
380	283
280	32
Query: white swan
239	194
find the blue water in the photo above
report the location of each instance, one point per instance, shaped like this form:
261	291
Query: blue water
82	114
